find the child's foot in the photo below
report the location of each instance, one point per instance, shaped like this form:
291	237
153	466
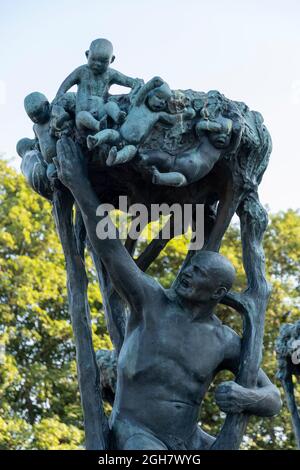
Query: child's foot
112	156
155	175
121	117
91	142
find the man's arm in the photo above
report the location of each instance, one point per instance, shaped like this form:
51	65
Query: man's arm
264	400
130	282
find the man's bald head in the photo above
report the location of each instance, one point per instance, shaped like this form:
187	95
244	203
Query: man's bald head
218	267
206	279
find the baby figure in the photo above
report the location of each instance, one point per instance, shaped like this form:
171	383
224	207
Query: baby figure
63	115
43	115
38	109
192	165
93	81
148	107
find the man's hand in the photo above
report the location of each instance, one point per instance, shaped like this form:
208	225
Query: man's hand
70	163
233	398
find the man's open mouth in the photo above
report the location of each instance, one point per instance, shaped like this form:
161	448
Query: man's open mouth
185	282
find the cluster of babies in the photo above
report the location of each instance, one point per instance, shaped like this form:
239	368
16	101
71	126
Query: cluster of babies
90	108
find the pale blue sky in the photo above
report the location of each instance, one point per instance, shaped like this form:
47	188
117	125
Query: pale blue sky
249	50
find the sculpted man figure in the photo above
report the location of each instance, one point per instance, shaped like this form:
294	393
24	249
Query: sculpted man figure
174	345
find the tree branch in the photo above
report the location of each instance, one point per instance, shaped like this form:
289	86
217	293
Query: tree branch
252	305
95	421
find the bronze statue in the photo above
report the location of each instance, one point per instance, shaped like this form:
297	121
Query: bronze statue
158	145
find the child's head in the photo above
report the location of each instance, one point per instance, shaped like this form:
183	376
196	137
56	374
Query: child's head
158	98
178	102
100	55
218	131
37	107
25	145
221	138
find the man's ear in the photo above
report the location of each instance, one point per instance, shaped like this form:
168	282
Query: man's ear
112	58
219	293
87	54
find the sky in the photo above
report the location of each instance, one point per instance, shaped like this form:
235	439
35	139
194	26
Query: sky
248	50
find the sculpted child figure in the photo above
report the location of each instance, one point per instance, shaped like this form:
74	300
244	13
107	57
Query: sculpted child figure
192	165
93	81
42	115
39	111
148	107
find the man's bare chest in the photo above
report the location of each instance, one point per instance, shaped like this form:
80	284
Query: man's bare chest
173	344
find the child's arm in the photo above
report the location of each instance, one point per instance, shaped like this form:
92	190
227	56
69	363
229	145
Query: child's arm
119	78
237	132
71	80
141	95
167	118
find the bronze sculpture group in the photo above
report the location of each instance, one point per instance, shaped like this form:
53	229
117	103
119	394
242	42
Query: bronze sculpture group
156	145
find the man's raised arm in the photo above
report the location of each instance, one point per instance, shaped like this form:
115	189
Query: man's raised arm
129	281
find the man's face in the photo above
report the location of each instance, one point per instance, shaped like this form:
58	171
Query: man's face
99	60
196	283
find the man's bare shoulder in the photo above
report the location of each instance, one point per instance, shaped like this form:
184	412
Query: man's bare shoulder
154	286
230	336
232	342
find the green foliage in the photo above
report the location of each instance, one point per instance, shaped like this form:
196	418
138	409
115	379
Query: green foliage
39	399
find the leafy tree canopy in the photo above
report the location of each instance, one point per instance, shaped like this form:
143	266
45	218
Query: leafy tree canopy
39	398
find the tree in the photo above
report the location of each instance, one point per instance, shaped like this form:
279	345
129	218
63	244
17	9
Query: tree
39	399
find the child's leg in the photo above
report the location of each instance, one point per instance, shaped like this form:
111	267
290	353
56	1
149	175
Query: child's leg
124	155
51	171
174	178
107	136
59	116
84	119
113	110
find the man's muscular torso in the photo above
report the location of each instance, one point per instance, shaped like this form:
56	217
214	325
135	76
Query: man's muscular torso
168	340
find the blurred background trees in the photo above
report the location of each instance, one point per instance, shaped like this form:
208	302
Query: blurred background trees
39	398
